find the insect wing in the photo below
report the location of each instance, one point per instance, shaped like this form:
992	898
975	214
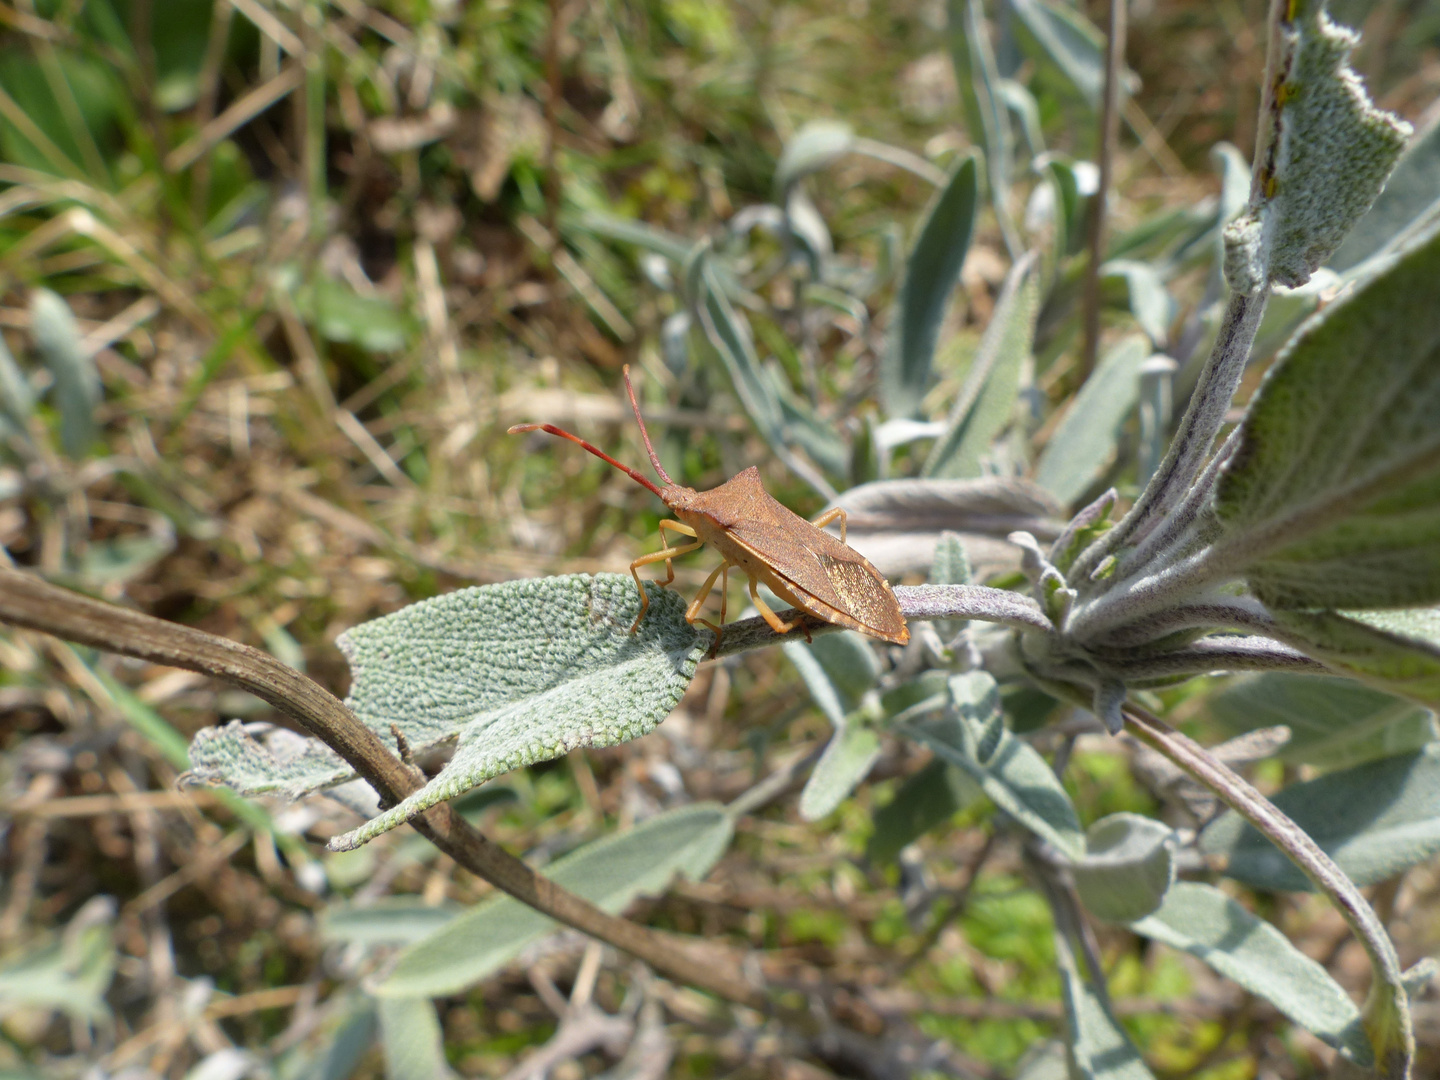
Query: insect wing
828	579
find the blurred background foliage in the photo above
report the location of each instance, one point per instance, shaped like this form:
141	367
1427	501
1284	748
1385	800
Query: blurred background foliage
275	276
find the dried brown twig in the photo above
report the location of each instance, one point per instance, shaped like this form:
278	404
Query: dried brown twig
36	605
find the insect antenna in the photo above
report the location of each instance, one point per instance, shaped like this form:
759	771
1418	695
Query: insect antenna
654	457
643	481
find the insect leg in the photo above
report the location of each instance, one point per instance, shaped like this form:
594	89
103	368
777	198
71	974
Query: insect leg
693	613
770	616
683	530
665	554
704	594
829	516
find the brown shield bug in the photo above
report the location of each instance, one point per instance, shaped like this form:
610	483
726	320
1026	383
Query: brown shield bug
796	559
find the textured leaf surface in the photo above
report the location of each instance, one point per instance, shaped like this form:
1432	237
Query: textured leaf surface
609	873
412	1040
257	759
1374	820
973	736
519	672
1411	197
1084	442
1331	153
1373	647
930	797
1333	723
930	277
986	401
1128	867
1203	921
1332	499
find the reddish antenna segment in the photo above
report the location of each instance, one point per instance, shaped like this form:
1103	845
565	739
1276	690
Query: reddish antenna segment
643	481
634	405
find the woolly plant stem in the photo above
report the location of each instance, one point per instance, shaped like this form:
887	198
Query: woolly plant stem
1387	1011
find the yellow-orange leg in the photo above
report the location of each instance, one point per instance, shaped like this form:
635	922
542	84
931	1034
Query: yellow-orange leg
684	530
769	616
664	555
829	516
692	613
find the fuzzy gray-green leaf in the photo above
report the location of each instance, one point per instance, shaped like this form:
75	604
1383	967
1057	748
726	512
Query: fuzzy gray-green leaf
972	735
77	383
389	920
1203	921
931	796
1084	442
1369	646
1410	199
260	760
609	873
412	1040
992	385
1334	723
1099	1048
848	758
518	673
1330	151
1332	499
1374	820
931	274
816	146
1068	41
1128	868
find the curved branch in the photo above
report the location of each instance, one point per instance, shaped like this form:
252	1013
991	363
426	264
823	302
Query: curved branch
1387	1011
36	605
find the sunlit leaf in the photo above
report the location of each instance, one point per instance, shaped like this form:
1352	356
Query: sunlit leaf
1333	722
1203	921
1332	499
931	274
610	873
986	402
1333	150
1084	443
515	673
412	1040
1374	820
973	736
1128	868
